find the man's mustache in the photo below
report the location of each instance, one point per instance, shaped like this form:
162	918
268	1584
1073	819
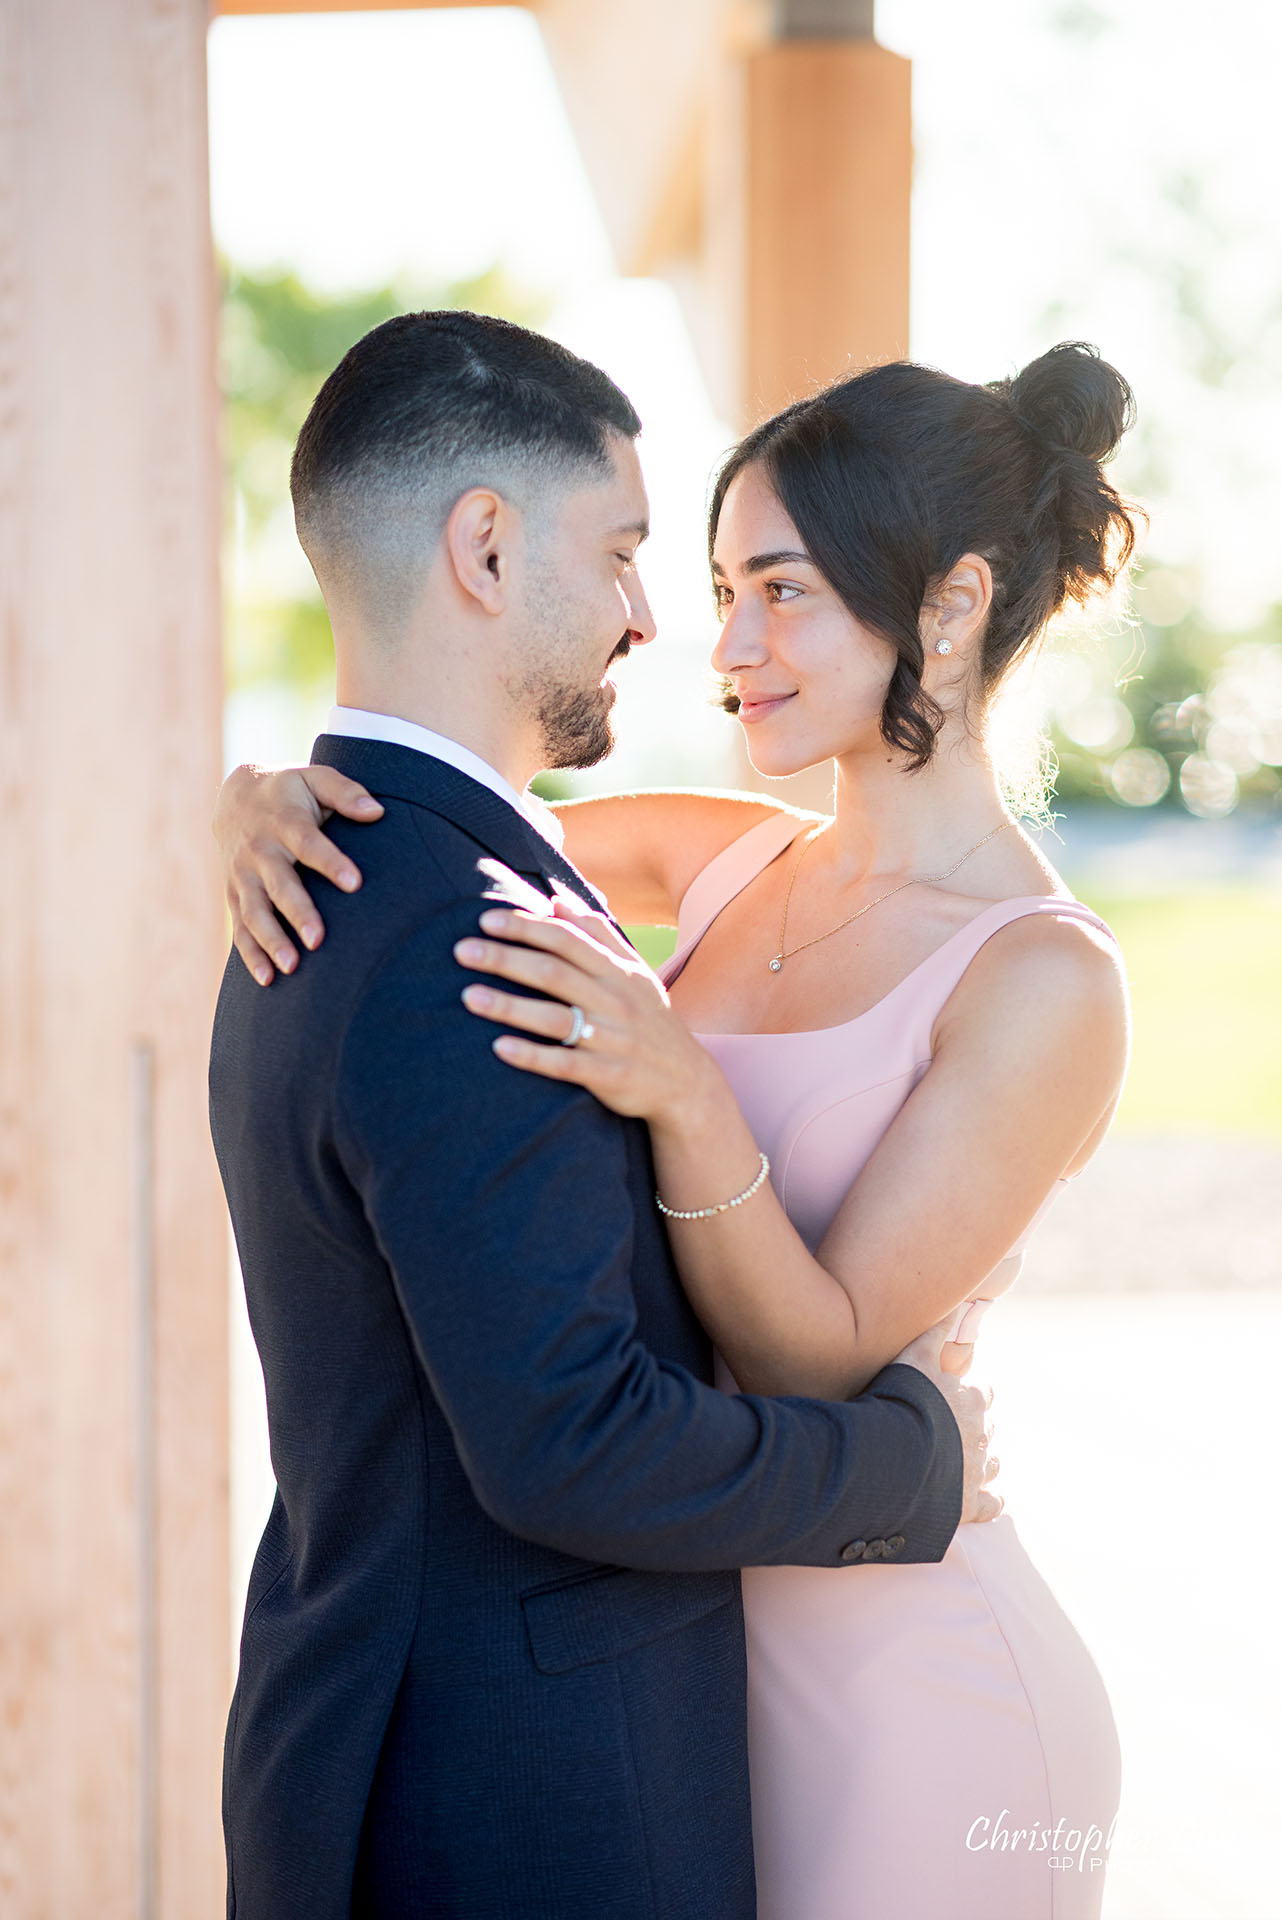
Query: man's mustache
623	649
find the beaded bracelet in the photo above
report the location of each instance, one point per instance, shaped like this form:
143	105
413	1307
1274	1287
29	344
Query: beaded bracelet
707	1213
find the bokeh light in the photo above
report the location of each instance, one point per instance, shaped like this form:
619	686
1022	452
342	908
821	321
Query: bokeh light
1139	777
1208	787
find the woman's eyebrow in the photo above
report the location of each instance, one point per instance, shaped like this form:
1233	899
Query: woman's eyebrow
784	556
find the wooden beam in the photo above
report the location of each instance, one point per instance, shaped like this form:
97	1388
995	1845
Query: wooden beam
354	6
823	19
828	140
114	1631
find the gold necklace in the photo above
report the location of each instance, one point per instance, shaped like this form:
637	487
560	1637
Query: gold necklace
925	880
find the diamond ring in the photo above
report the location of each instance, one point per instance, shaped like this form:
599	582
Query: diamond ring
581	1028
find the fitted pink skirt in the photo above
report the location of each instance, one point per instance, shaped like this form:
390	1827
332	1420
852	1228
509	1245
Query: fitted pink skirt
926	1742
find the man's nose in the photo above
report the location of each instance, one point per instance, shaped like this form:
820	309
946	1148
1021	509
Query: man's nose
641	626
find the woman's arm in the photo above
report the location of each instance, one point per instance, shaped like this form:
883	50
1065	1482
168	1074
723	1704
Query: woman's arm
1028	1063
1029	1058
640	850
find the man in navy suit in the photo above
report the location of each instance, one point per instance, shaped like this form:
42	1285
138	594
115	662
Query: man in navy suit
493	1661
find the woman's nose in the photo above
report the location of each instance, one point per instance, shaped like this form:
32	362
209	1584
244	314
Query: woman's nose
737	644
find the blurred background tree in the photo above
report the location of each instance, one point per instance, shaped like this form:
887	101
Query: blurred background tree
1182	708
1167	710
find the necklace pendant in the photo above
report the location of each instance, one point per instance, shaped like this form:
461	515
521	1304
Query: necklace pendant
776	965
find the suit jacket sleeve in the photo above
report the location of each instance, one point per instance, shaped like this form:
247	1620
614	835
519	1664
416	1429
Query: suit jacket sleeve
500	1203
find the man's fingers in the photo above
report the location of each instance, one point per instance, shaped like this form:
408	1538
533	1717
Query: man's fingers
337	794
988	1506
973	1401
256	918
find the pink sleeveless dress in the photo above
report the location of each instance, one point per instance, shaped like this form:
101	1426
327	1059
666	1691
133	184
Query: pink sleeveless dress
925	1742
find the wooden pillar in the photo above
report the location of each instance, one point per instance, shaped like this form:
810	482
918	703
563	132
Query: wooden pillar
114	1632
827	139
351	6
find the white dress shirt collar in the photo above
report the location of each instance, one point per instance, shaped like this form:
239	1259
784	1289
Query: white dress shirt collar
354	723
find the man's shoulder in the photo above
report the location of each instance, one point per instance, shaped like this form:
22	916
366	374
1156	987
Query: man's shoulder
419	866
424	880
440	857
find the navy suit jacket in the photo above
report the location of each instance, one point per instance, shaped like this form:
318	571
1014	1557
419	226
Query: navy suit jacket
492	1660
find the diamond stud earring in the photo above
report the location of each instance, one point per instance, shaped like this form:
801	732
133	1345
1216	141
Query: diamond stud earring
943	646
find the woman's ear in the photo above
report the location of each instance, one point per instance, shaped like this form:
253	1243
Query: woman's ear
478	540
957	611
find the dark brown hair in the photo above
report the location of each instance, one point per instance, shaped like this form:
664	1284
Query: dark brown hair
892	475
424	407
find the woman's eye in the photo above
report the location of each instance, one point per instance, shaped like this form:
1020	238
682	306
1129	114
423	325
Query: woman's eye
781	590
722	595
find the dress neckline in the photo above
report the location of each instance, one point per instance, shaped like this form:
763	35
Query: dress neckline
842	1026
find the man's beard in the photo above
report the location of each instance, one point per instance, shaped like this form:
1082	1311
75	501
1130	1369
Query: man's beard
575	721
576	726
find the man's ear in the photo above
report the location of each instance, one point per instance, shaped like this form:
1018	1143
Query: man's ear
478	541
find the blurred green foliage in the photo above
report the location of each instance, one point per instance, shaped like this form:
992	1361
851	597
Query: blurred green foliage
279	340
1167	710
1204	966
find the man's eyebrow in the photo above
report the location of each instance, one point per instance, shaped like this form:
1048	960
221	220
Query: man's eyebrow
784	556
638	530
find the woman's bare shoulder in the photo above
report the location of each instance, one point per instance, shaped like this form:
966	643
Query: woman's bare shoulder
1056	979
1076	952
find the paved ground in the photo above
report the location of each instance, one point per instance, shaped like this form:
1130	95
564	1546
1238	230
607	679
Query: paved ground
1168	1214
1138	1439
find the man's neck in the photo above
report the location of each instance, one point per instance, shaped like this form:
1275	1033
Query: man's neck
481	733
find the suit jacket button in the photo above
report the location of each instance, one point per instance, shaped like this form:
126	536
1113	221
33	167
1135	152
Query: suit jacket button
875	1550
895	1544
854	1551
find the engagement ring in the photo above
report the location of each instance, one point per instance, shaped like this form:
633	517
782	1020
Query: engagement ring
581	1028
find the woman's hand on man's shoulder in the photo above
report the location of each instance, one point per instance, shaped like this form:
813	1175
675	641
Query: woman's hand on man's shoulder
267	824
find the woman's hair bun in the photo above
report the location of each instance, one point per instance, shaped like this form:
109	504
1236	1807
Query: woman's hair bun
1072	401
893	475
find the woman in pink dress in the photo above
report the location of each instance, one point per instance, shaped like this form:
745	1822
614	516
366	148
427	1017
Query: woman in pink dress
901	1015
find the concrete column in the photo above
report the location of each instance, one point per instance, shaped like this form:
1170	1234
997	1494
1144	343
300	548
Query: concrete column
113	1270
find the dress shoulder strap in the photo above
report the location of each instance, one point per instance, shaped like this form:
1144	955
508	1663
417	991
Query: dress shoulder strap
725	876
937	976
913	1006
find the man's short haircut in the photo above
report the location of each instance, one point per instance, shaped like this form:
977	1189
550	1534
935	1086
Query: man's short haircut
422	409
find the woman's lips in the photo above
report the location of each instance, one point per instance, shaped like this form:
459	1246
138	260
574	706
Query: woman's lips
759	707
